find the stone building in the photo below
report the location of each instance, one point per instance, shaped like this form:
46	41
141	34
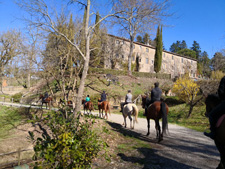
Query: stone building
172	63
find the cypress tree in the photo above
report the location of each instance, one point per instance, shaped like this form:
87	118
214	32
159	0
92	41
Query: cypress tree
158	51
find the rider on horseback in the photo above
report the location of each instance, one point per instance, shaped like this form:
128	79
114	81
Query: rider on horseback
103	97
155	96
218	111
128	99
45	96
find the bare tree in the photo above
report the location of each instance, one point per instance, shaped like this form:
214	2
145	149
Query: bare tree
139	16
10	43
42	18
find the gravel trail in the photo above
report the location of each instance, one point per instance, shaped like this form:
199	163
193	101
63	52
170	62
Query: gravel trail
182	148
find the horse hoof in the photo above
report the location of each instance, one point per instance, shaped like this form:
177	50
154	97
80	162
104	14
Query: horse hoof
160	139
147	134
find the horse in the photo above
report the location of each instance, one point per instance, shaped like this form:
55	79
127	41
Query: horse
48	101
212	101
88	106
156	111
103	106
129	110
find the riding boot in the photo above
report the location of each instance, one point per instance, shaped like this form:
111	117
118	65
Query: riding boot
144	114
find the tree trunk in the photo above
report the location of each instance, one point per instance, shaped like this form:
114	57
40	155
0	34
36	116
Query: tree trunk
130	55
190	111
86	63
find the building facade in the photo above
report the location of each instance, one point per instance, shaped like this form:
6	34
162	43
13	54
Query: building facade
172	63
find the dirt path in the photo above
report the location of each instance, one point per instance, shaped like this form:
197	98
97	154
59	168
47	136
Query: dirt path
182	149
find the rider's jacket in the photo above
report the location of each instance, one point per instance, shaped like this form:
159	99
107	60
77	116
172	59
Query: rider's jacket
156	94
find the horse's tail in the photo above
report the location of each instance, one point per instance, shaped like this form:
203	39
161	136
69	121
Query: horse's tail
108	108
135	109
164	117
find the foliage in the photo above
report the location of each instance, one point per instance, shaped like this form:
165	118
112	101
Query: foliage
16	97
187	90
176	47
158	51
71	144
187	52
218	62
196	48
217	75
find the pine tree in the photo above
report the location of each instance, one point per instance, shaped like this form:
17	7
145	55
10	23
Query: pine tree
158	51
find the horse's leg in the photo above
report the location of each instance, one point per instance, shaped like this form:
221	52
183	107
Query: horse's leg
157	128
129	116
148	121
125	123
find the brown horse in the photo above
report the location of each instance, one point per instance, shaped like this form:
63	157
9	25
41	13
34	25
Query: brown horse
211	102
48	101
87	106
156	111
103	106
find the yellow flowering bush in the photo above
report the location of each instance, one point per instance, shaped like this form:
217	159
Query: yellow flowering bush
186	89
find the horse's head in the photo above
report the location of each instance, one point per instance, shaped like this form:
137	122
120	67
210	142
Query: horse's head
83	101
143	99
41	96
211	101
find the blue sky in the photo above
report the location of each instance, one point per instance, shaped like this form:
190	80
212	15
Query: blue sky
199	20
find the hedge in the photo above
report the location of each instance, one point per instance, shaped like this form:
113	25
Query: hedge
136	74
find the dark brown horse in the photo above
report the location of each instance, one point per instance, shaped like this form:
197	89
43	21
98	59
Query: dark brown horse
211	102
156	111
103	106
48	101
88	106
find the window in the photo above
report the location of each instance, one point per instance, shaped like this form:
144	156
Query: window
139	59
122	42
117	42
146	60
152	61
182	60
172	57
134	46
191	62
147	50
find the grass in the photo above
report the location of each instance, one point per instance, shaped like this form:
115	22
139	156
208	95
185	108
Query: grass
197	121
9	118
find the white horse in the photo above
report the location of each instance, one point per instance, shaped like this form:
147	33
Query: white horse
128	110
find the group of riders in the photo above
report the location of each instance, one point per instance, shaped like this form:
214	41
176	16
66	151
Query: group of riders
156	93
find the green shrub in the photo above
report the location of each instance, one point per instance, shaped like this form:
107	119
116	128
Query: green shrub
137	74
70	144
16	97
